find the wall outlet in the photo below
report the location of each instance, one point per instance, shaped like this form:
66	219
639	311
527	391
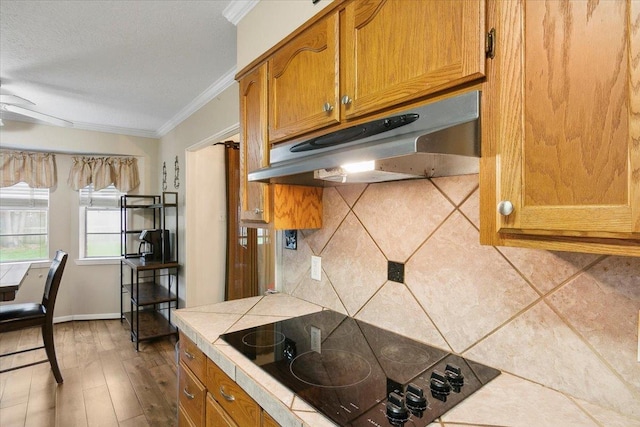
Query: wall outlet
316	268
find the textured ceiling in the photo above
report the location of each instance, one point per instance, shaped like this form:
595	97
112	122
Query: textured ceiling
131	67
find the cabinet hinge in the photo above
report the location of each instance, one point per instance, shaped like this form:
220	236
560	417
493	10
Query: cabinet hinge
490	44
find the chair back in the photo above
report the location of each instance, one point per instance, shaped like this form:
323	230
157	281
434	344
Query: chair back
53	282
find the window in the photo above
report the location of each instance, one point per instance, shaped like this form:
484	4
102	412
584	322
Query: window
24	223
100	222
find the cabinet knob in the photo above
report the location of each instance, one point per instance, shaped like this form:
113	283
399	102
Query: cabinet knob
505	208
346	100
258	211
327	108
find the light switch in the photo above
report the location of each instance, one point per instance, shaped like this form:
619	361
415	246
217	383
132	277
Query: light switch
316	268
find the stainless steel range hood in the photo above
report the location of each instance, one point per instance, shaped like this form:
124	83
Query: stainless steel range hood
436	139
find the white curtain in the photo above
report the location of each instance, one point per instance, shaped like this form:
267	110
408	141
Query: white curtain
38	170
122	172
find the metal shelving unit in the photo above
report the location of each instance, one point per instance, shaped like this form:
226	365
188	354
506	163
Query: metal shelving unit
150	288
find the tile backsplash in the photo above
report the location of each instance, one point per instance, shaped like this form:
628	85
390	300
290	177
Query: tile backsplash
567	321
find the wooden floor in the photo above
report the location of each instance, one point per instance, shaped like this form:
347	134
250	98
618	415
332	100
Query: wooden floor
106	382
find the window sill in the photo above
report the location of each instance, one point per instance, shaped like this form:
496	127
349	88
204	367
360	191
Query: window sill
34	264
98	261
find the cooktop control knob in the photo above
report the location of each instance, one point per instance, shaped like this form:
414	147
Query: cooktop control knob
454	376
397	412
415	400
440	387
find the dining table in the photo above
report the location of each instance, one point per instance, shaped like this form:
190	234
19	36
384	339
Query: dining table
11	278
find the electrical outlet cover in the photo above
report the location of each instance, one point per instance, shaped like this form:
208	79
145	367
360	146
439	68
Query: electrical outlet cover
316	268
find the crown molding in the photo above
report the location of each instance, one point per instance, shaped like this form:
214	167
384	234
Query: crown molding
211	92
115	129
238	9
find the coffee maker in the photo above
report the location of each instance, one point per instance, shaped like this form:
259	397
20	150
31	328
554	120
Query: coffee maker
154	246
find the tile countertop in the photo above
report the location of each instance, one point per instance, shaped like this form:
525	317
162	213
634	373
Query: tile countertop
505	401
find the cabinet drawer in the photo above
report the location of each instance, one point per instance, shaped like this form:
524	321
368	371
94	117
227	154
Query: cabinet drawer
183	418
192	356
191	395
238	404
216	416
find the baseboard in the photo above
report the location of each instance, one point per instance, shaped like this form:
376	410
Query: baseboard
101	316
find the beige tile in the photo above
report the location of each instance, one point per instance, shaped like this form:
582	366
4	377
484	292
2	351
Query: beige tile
602	305
458	187
607	417
334	209
545	269
350	193
250	321
314	419
239	306
394	302
296	265
283	305
471	208
539	346
321	293
467	289
209	326
354	264
399	216
510	401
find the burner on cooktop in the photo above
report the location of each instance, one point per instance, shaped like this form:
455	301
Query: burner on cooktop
331	368
263	338
358	374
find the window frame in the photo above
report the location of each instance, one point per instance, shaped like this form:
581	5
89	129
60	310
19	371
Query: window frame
84	226
35	205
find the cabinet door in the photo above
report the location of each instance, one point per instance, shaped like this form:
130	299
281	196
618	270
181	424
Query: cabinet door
399	50
561	124
183	418
216	416
254	150
303	77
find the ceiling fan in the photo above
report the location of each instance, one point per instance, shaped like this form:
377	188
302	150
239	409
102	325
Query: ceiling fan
13	104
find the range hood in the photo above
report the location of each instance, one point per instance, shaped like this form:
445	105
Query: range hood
437	139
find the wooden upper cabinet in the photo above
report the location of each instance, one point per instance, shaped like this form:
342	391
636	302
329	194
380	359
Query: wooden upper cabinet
254	145
303	81
561	125
395	51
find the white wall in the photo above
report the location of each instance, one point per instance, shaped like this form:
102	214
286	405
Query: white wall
87	291
202	198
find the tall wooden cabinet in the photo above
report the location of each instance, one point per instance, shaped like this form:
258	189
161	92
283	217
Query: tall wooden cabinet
561	125
254	145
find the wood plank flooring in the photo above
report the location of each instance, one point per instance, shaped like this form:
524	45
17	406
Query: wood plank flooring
106	382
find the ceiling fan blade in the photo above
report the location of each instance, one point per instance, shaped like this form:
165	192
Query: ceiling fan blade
14	99
35	115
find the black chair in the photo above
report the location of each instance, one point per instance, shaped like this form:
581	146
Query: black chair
14	317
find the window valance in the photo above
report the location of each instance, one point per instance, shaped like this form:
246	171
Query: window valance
38	170
122	172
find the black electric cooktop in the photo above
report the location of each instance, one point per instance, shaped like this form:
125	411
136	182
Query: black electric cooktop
358	374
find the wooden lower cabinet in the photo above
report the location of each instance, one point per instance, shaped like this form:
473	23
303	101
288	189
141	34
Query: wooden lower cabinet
233	399
192	395
216	416
208	397
267	421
